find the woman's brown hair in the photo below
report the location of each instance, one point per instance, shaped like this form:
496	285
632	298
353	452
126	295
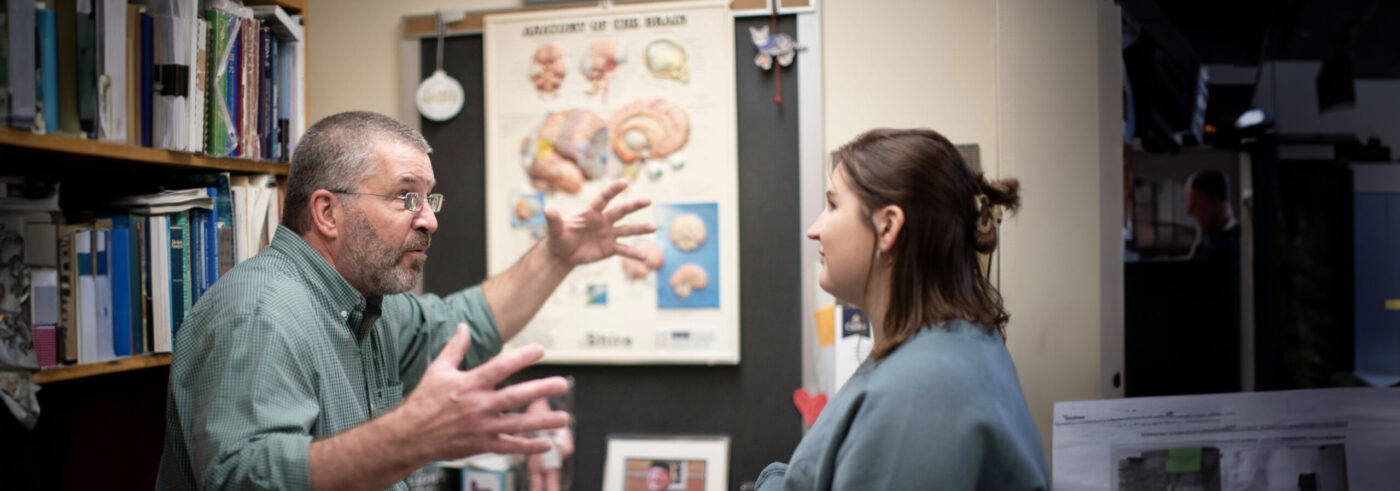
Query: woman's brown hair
949	217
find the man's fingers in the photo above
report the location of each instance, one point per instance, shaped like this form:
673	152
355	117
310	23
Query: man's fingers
496	370
511	444
634	229
518	423
554	223
600	202
625	250
622	210
522	393
456	348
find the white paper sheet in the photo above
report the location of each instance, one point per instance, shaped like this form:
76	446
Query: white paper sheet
1333	438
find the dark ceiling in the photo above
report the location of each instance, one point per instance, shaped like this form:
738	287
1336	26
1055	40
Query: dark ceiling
1243	32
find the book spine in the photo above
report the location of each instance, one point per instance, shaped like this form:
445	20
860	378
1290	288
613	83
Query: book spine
215	123
87	71
46	22
160	280
137	297
147	78
67	29
231	93
223	203
133	74
111	81
285	55
194	112
102	269
276	113
179	268
196	246
68	294
86	298
187	264
119	247
211	242
265	95
22	64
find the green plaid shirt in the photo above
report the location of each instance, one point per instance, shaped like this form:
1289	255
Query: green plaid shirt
282	351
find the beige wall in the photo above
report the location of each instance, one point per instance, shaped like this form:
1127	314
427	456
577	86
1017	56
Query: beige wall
892	63
353	53
1059	96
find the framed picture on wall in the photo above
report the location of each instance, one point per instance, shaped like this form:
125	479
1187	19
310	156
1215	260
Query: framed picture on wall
485	480
666	463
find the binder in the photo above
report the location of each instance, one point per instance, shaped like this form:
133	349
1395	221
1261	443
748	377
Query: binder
23	64
47	24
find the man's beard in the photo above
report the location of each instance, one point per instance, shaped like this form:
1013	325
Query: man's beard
374	265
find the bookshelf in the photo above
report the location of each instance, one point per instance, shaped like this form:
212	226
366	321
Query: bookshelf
123	364
65	147
103	422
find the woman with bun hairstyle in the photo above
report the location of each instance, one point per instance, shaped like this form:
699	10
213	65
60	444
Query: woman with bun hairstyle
938	404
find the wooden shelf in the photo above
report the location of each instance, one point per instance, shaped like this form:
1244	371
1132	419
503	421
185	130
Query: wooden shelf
291	6
118	152
135	362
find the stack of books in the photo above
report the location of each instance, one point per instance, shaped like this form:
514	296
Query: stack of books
122	283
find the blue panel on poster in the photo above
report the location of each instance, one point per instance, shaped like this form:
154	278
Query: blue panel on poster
696	254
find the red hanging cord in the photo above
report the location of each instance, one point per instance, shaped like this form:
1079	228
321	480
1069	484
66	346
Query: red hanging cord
777	67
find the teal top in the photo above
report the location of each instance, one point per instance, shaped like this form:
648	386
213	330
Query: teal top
281	351
943	411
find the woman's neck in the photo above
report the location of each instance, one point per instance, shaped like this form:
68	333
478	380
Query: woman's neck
877	301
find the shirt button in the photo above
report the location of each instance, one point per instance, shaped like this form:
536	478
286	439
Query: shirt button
344	313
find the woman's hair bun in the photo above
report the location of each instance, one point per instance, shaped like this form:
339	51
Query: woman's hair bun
996	195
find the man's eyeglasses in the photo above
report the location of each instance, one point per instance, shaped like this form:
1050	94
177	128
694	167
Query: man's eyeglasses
411	201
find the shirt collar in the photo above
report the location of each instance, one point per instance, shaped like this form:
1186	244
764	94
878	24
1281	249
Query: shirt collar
335	293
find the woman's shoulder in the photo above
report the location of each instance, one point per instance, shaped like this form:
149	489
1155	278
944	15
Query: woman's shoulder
953	357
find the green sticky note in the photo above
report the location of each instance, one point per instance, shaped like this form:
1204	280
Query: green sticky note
1183	460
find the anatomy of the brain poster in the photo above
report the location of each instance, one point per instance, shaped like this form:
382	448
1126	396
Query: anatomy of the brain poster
579	98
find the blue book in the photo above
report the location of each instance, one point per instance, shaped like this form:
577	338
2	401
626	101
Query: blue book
179	269
119	248
284	99
211	241
198	247
221	234
136	298
46	23
147	75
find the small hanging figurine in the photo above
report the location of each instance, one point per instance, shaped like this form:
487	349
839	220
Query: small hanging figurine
780	46
774	45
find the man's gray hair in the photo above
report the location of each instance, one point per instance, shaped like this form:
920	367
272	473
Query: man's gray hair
334	154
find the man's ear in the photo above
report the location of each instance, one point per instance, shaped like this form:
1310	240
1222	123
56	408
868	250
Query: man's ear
889	221
326	212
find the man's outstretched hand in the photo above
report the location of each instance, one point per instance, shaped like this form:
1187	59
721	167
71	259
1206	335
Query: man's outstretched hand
591	234
460	413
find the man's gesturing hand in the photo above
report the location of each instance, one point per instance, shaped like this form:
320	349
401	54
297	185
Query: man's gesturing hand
457	413
590	234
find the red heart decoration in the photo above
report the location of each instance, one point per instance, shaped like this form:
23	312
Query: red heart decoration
809	405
